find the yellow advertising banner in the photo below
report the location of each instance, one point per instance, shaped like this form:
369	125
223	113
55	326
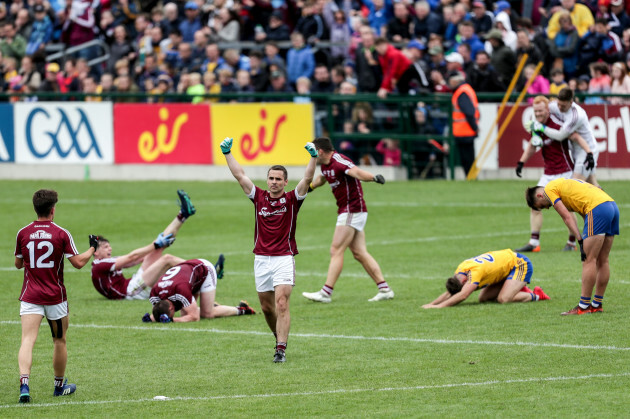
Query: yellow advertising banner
264	133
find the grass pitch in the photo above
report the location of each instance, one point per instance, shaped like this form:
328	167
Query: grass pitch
350	357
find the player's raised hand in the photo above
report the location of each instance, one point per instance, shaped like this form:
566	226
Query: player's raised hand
93	241
163	241
519	168
379	179
589	162
310	147
226	145
146	318
582	253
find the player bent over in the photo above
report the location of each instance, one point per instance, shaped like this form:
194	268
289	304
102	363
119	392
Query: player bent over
107	271
345	181
558	164
601	225
176	289
501	275
276	214
40	249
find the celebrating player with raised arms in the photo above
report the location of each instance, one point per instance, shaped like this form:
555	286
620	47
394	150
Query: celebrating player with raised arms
501	275
276	214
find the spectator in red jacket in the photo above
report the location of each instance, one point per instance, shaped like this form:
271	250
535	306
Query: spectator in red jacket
398	70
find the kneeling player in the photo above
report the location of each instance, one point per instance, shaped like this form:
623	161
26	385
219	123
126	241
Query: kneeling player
502	276
107	271
176	289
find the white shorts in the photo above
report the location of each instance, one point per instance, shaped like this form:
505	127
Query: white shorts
210	283
579	155
355	220
136	289
271	271
545	179
56	312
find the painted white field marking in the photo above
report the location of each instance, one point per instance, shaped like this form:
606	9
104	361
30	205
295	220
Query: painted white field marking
319	393
163	328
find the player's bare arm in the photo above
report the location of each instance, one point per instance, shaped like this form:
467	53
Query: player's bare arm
364	175
445	296
455	299
318	181
235	168
80	260
133	258
568	218
189	314
19	263
302	187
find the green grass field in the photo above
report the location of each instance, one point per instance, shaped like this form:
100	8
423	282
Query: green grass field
349	358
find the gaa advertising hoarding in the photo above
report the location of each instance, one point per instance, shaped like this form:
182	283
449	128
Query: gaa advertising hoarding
611	129
7	153
73	132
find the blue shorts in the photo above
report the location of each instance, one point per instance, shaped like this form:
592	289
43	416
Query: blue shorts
603	219
523	270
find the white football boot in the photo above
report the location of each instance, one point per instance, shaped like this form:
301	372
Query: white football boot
318	296
384	294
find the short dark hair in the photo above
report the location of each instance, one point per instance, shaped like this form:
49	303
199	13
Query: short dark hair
163	307
380	40
453	285
565	94
44	201
530	196
279	167
323	143
102	239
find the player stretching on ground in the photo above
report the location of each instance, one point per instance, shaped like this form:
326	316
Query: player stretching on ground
558	164
574	120
601	225
345	180
107	271
502	276
176	289
40	249
276	214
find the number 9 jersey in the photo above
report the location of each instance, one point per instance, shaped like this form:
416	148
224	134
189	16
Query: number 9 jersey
42	246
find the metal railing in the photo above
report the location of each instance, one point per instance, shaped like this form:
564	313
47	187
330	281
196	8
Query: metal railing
65	52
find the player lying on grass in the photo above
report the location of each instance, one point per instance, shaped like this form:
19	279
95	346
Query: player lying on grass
501	275
107	271
177	288
601	225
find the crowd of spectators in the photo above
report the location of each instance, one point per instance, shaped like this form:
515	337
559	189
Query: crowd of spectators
312	46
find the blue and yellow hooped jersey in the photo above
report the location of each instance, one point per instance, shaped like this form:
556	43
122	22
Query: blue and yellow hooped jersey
488	268
577	195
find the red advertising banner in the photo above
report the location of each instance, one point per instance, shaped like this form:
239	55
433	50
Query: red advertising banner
611	128
162	134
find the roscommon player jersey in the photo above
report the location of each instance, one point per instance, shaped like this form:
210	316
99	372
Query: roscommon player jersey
346	189
488	268
577	195
42	245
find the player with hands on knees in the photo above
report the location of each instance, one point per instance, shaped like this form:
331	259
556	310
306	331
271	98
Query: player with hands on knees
107	271
345	181
601	225
276	212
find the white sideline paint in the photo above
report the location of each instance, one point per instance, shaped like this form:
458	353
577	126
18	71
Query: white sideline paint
161	328
319	393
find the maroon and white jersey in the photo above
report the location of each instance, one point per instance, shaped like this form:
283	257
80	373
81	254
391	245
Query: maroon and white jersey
556	155
274	234
347	190
180	283
107	280
42	245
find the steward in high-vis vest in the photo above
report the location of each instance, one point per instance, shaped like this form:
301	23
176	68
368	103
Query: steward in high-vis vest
465	118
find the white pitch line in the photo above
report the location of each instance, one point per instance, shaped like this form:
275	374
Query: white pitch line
321	392
162	328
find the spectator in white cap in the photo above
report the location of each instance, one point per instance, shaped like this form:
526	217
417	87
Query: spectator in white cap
454	62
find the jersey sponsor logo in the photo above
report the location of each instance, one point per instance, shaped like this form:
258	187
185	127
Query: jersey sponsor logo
72	133
40	234
334	184
164	284
266	213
